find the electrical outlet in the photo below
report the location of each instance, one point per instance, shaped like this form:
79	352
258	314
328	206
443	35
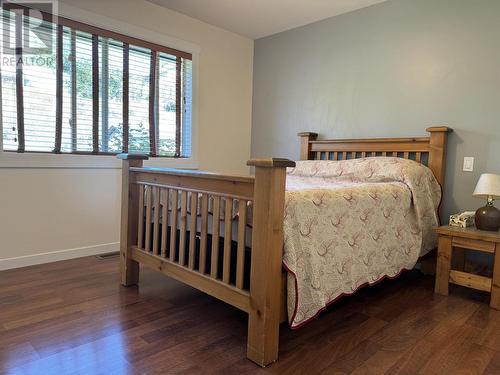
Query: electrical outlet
468	164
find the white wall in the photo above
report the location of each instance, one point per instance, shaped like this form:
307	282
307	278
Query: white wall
54	210
50	209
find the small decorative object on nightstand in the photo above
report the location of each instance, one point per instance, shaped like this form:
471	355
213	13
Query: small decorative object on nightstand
474	240
463	220
488	217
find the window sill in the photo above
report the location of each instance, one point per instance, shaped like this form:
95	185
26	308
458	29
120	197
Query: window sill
10	160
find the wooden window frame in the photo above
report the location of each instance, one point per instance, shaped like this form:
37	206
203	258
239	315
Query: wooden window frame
97	33
19	83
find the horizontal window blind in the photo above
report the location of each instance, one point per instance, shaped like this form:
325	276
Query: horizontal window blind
94	92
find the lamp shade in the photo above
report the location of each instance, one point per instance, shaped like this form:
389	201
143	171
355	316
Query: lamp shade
488	185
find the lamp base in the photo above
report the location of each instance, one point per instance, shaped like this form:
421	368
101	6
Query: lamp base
487	218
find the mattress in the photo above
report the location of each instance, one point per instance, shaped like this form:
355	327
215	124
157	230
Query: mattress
352	223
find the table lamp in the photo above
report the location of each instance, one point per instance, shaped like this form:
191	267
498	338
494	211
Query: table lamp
488	217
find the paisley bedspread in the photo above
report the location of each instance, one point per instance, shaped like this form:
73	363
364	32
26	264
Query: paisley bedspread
353	222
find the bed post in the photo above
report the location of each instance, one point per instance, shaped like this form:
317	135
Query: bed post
267	251
305	146
437	153
129	269
437	162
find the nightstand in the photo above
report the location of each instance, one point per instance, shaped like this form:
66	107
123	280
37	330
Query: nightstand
470	239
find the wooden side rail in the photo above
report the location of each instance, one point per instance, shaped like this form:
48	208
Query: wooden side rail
165	225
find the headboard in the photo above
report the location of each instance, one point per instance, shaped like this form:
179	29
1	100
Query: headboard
429	151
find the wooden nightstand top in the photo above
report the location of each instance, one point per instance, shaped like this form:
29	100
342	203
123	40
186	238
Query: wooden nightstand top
470	232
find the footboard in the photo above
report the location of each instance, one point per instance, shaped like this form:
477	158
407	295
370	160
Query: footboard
193	227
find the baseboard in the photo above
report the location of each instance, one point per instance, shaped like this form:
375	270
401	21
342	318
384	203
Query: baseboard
30	260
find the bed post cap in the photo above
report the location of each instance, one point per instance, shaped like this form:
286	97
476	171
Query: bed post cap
132	156
271	163
308	134
443	129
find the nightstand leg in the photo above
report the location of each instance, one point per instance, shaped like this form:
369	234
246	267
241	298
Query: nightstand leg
443	265
495	286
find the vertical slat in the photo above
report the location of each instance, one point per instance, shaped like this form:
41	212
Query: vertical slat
204	231
363	154
384	153
214	267
74	120
406	155
156	220
140	225
149	197
152	101
173	224
228	214
418	157
164	224
19	84
105	95
192	229
318	155
59	90
157	103
344	155
125	99
178	106
335	155
95	94
182	235
240	261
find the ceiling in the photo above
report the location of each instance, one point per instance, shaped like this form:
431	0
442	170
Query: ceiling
259	18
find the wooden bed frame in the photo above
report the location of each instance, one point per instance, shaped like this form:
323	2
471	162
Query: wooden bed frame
186	257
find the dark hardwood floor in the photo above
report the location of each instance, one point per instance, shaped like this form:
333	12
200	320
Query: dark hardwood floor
72	317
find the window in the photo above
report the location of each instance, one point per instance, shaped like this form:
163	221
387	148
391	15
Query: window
94	92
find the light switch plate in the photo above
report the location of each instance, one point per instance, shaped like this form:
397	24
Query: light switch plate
468	164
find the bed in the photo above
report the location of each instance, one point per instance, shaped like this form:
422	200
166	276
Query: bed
280	245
